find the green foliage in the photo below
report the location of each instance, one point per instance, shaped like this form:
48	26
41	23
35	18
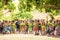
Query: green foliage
11	6
20	15
26	6
1	4
1	15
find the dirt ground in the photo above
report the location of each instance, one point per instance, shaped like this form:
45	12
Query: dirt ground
26	37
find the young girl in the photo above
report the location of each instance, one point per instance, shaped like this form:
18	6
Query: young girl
22	25
43	28
35	27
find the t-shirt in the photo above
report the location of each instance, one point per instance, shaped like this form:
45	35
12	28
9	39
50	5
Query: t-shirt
8	28
43	26
5	25
18	24
58	26
22	24
51	24
29	25
34	25
13	26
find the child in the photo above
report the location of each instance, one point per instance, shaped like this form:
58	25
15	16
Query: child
1	27
51	28
22	25
35	27
13	27
8	29
58	29
39	27
18	25
29	27
43	28
5	25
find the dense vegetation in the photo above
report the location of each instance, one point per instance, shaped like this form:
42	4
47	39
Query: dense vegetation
25	7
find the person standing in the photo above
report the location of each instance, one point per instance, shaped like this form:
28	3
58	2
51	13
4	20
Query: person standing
9	28
13	27
22	28
51	28
35	27
29	27
1	27
39	27
18	26
5	25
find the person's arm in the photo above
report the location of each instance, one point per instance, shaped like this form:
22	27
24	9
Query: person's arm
16	23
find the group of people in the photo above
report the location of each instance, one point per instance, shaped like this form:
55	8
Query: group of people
30	27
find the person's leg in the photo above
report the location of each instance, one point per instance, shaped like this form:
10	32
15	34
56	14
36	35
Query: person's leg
48	32
0	29
26	30
40	32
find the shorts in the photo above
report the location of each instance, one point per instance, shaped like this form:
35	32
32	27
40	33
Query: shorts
1	29
35	29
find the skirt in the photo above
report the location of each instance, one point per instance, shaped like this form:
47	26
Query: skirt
35	29
30	29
